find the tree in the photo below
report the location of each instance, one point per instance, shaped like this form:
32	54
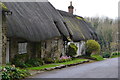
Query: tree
107	30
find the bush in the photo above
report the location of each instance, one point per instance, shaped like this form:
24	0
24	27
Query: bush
12	73
106	55
22	61
34	62
72	50
48	60
19	60
92	46
115	54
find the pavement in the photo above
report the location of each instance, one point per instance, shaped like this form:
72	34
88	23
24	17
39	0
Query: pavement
102	69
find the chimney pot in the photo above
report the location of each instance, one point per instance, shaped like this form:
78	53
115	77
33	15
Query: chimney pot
70	8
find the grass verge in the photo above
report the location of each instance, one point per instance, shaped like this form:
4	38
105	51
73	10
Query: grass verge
98	57
73	61
115	54
56	64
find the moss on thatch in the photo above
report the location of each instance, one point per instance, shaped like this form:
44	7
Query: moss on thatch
3	6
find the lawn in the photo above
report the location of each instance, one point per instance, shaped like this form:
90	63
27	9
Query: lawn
73	61
98	57
115	56
56	64
43	67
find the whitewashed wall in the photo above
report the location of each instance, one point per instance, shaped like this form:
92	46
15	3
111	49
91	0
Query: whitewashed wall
81	47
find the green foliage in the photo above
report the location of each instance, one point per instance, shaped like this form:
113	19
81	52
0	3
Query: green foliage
57	64
106	55
115	54
106	29
87	57
73	61
72	50
98	57
62	60
3	6
92	46
34	62
48	60
21	60
43	67
12	73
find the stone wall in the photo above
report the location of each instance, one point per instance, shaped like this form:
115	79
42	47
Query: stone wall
46	49
4	42
3	39
34	50
52	48
13	48
0	40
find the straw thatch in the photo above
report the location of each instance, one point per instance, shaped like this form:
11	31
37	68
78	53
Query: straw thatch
78	28
34	21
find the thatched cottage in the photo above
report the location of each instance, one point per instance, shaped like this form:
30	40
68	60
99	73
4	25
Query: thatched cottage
39	30
79	29
35	28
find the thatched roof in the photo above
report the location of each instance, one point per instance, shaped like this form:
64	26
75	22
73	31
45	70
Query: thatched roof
34	21
78	28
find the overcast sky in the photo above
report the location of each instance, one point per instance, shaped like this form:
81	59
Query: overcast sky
89	8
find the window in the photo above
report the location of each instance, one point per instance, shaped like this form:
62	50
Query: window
45	43
22	48
56	45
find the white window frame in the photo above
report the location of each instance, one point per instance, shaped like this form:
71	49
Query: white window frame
22	48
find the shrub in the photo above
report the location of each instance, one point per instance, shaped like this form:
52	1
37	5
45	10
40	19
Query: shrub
115	54
106	55
34	62
48	60
72	50
13	73
92	46
19	60
22	61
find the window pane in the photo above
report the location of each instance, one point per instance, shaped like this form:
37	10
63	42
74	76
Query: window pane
22	48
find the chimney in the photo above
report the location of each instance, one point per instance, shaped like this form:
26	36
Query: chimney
70	8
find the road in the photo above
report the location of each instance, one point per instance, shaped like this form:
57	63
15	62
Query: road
102	69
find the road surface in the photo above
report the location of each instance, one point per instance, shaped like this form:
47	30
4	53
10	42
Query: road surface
102	69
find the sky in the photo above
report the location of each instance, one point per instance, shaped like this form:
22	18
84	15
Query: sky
89	8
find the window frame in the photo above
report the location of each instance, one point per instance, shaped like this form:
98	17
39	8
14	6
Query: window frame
22	48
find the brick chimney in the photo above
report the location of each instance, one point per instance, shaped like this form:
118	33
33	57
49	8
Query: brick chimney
70	8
